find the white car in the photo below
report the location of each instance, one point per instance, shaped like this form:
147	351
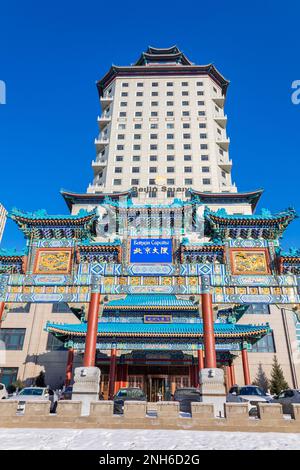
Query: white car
250	394
3	392
35	393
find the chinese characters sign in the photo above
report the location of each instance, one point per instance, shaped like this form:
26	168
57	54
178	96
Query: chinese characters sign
151	250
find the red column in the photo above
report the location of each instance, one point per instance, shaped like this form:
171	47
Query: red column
208	331
125	375
112	373
246	366
232	374
228	378
92	329
69	367
2	305
200	364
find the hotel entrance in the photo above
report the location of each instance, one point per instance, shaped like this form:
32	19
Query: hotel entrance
158	388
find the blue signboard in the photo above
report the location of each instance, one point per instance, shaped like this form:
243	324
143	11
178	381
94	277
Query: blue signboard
151	250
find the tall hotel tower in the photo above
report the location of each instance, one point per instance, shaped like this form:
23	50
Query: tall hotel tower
162	129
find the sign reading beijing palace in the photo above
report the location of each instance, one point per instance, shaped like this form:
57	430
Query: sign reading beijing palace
151	250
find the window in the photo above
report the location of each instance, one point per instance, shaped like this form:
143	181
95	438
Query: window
186	125
152	181
203	147
137	136
188	169
184	93
202	125
205	169
139	93
124	93
153	147
186	136
206	181
188	181
200	103
154	83
135	182
20	309
117	182
138	114
265	344
186	146
199	83
204	158
136	158
154	113
170	158
119	158
154	103
125	85
120	147
259	309
153	158
170	136
136	147
170	169
200	93
187	158
170	113
153	169
184	84
138	126
154	93
185	113
121	136
122	114
13	338
118	169
152	194
139	103
139	84
8	375
170	93
215	90
153	126
203	136
54	344
170	146
153	136
170	103
221	152
170	84
170	181
135	169
201	113
123	103
170	192
185	103
121	126
223	174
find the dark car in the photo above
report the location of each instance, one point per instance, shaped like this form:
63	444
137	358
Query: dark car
125	394
286	398
185	396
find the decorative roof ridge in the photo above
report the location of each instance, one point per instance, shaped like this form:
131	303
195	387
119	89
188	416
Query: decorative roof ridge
186	241
87	243
291	253
13	252
42	214
265	214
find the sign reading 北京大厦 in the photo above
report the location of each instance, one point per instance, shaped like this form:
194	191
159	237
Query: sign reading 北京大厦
151	250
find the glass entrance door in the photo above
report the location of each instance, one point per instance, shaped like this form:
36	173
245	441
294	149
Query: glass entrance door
157	388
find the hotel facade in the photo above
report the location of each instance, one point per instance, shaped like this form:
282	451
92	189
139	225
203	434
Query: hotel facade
162	267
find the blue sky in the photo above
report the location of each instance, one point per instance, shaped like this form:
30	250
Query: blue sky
52	53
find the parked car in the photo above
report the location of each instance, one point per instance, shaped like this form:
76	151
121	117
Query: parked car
185	397
125	394
3	392
250	394
35	393
66	394
286	398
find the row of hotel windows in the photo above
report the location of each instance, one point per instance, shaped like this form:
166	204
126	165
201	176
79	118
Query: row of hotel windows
169	125
156	84
155	136
169	158
139	114
155	169
136	147
123	104
124	94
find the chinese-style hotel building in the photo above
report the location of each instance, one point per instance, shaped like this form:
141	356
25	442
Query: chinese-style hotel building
162	267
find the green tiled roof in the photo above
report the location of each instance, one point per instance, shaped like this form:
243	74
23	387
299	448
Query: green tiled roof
222	330
157	300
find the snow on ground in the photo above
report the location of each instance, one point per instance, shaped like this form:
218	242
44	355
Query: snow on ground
130	439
